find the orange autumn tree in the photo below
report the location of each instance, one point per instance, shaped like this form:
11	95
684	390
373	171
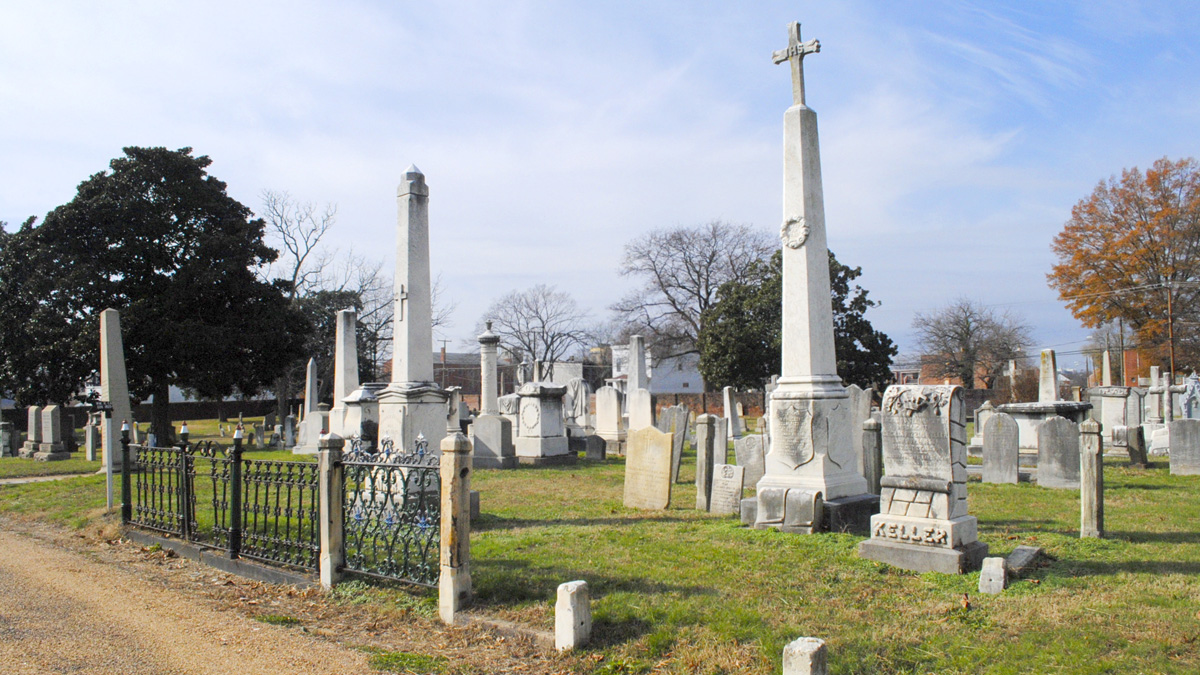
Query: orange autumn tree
1131	251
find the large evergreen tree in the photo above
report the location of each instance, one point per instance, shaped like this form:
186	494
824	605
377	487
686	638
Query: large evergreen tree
159	239
740	334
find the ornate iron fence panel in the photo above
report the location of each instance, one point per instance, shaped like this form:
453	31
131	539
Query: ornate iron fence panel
159	492
392	511
218	464
280	512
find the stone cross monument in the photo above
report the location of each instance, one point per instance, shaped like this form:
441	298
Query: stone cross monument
413	404
811	468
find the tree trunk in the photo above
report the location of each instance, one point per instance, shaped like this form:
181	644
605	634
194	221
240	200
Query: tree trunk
160	414
283	395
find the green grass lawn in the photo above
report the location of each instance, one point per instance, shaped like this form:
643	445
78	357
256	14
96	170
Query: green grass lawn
17	467
680	591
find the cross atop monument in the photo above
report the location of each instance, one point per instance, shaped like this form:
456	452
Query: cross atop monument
795	52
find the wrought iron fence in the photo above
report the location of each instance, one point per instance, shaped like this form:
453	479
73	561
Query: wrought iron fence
280	512
392	511
261	509
159	495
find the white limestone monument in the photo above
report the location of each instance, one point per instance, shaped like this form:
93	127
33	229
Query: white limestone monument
345	374
114	385
811	467
412	404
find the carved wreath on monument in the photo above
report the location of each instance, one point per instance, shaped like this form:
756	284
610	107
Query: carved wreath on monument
908	401
794	232
531	414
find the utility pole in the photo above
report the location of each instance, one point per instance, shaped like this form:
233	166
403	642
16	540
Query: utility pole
1171	332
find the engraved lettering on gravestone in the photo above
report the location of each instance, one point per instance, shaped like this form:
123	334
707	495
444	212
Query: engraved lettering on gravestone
795	53
531	414
794	232
796	440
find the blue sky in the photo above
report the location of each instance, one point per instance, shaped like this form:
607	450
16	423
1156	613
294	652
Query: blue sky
955	137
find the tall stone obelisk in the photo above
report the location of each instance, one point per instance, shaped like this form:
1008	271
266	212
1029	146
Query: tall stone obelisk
413	404
345	371
114	386
812	477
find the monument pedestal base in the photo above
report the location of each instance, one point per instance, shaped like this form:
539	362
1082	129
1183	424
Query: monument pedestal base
851	514
411	409
541	447
925	558
557	460
51	452
29	449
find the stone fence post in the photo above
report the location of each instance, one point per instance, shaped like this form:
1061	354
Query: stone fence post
332	499
454	582
872	445
1091	479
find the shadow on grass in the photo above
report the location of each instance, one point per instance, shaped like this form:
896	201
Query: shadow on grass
1155	537
1083	568
506	582
487	522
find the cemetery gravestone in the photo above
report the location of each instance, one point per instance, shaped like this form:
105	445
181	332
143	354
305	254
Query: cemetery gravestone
51	448
727	486
33	431
680	417
749	453
721	444
922	524
704	460
1185	447
1058	454
648	469
1000	452
542	435
609	424
491	437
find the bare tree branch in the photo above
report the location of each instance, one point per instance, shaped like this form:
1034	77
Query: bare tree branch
681	269
540	324
965	339
299	227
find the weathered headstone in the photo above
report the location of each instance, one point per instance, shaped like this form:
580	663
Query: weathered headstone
1000	452
727	487
1058	454
648	469
595	448
705	460
314	422
609	424
572	616
33	431
749	453
993	577
806	656
1185	447
491	437
982	413
922	524
51	447
860	409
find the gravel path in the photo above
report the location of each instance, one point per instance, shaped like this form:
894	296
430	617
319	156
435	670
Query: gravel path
65	612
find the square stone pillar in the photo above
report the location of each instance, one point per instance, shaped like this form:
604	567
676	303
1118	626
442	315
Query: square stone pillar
454	582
